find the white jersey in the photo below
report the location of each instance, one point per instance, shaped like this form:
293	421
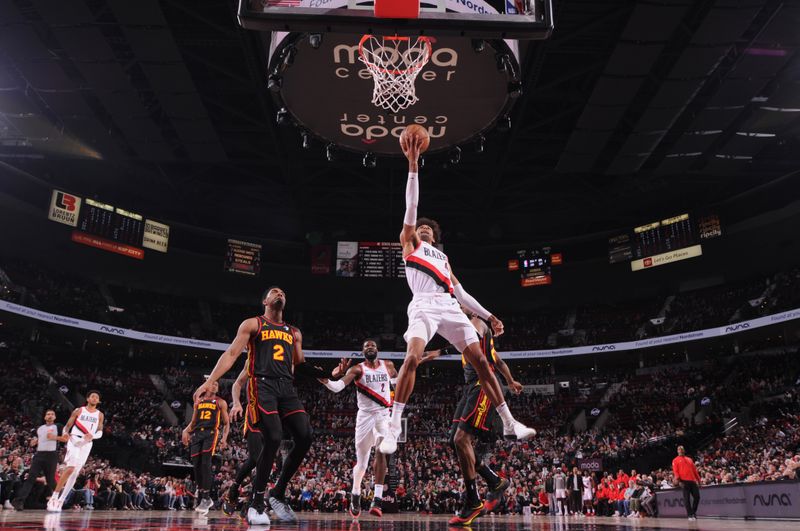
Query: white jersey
428	270
87	422
373	393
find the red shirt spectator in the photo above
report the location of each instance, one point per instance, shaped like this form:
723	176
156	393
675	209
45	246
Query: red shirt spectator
684	470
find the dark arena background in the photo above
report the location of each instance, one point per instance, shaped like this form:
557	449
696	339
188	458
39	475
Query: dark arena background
617	181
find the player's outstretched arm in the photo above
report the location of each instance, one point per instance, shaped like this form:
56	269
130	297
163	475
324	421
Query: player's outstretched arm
503	369
429	355
236	393
299	360
468	301
246	331
352	373
408	237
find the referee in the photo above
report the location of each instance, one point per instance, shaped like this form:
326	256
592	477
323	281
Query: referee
46	459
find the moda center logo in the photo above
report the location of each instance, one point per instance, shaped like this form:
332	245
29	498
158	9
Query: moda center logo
370	127
328	91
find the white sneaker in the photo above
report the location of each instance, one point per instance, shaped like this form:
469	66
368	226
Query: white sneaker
616	513
518	431
256	518
203	507
388	445
53	505
7	506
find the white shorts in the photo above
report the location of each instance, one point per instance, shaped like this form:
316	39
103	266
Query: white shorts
561	493
77	452
371	426
432	313
587	495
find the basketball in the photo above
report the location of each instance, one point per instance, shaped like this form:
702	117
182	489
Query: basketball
412	131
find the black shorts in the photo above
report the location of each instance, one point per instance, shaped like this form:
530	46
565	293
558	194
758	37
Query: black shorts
204	441
475	413
274	397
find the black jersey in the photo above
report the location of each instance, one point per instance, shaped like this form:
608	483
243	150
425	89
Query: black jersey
208	414
487	348
271	350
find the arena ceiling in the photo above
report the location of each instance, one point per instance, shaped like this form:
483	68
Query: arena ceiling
631	111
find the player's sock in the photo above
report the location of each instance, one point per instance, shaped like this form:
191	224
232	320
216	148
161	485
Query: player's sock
472	491
397	414
258	500
505	414
379	491
488	475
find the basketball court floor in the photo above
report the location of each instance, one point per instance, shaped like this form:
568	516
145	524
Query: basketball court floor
186	520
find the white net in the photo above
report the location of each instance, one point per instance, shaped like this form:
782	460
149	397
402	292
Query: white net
395	63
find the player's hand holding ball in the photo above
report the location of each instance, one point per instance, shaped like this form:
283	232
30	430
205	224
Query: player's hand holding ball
414	141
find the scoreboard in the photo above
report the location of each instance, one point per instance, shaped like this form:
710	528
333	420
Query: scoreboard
535	266
111	223
107	227
243	257
660	242
370	260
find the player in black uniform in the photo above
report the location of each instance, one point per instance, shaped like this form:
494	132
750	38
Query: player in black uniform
275	356
476	420
252	435
202	436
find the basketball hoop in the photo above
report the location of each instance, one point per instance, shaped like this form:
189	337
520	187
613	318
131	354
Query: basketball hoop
394	62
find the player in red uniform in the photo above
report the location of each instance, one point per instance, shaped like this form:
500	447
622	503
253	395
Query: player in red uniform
275	356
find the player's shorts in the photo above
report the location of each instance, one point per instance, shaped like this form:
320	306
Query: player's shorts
274	396
371	426
561	493
475	413
432	313
204	441
77	452
587	495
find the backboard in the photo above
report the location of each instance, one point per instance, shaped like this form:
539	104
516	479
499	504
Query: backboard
485	19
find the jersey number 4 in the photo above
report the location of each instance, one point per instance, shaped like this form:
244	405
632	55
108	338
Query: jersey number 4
277	353
205	415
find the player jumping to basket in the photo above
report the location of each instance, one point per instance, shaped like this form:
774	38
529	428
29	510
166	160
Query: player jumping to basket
435	308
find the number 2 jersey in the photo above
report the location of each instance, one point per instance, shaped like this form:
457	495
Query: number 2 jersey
373	392
271	350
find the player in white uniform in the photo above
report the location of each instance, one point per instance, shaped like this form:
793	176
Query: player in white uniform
84	426
434	308
372	379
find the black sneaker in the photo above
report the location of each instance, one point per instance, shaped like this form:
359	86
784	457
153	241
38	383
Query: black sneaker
355	505
495	495
230	502
18	505
469	511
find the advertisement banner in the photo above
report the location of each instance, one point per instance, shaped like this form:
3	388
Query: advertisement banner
321	260
594	464
667	258
518	354
778	499
156	236
107	245
64	208
540	389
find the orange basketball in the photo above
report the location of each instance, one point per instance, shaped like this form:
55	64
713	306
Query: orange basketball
415	130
